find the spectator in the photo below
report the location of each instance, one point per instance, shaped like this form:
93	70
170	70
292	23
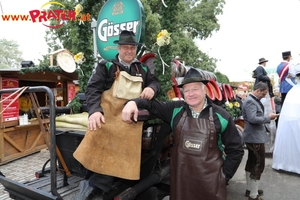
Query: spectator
283	73
255	137
261	75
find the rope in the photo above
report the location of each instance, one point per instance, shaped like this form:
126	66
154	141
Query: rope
20	91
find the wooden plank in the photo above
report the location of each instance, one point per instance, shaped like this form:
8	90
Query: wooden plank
13	143
15	156
36	140
1	143
20	141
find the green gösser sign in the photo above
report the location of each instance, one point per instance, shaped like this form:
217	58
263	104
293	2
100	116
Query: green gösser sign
115	16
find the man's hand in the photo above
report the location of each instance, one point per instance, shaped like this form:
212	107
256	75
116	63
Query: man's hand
95	120
148	93
130	112
273	116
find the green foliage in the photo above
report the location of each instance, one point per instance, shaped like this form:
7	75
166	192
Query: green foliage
200	17
221	78
75	105
10	55
39	69
190	20
168	21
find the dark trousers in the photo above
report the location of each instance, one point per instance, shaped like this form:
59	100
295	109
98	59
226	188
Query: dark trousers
256	160
100	181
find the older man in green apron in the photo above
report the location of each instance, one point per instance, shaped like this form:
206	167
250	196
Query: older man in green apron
207	146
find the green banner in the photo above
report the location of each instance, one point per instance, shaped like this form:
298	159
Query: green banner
115	16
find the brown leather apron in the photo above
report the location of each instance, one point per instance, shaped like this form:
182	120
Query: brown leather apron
196	161
115	148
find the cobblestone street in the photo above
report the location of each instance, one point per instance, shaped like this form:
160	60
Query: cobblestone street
23	169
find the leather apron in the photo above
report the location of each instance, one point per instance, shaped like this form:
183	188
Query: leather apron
196	161
115	148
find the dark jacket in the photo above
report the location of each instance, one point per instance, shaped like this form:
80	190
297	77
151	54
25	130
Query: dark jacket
261	75
104	75
228	136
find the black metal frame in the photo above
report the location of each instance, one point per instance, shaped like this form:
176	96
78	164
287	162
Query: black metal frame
51	129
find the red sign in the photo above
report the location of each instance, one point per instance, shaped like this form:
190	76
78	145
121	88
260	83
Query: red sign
12	112
71	91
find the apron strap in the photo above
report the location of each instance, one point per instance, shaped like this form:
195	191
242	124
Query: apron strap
212	127
182	120
137	69
118	70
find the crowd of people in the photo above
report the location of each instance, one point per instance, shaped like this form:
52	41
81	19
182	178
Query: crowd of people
260	110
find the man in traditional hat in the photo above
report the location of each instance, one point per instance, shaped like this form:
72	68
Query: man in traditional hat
283	73
207	147
99	100
262	75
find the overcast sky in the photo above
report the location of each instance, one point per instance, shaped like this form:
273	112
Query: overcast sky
250	29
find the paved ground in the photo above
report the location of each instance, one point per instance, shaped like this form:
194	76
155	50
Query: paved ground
23	169
276	185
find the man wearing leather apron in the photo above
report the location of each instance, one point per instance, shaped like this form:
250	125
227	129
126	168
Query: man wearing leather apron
207	147
100	102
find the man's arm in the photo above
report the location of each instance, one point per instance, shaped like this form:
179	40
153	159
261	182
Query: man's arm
95	88
233	149
152	82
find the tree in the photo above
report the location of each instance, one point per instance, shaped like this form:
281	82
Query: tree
221	78
10	55
194	19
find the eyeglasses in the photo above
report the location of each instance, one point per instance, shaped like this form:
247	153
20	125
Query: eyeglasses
128	47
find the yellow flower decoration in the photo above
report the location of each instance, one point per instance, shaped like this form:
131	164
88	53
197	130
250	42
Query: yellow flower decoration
163	38
78	9
79	58
237	104
233	108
